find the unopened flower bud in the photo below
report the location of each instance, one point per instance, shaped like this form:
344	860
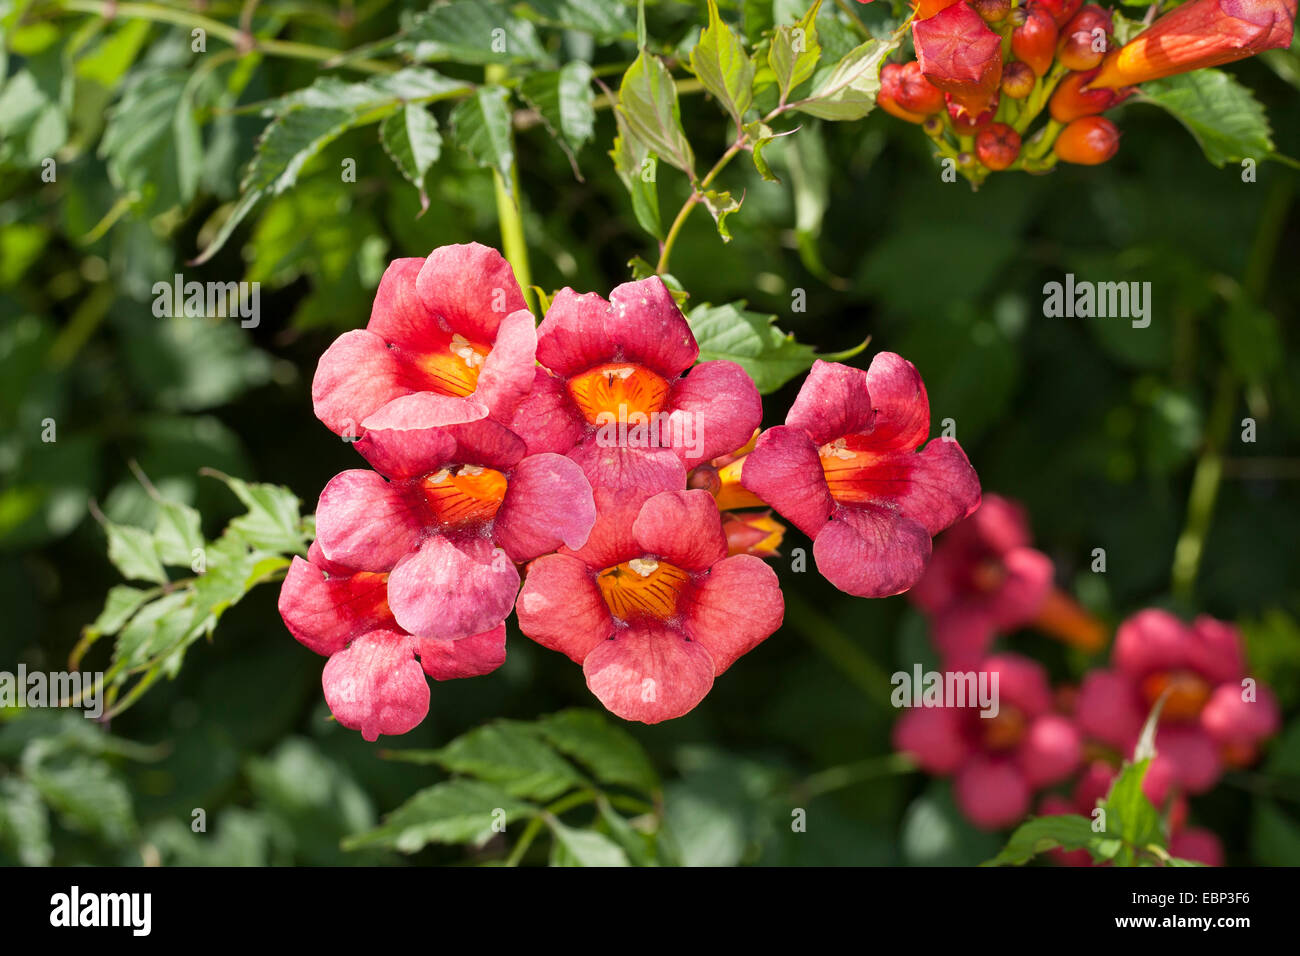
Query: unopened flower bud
887	95
1087	141
1034	40
756	533
1018	79
704	477
998	146
1061	10
915	93
959	54
992	11
1073	99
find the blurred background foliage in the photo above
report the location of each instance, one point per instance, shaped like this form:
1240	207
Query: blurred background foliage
1097	427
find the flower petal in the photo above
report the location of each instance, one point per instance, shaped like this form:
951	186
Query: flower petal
1234	721
833	401
324	611
902	408
508	370
365	522
785	471
649	672
736	607
871	552
640	323
683	528
1050	751
410	445
1107	709
452	589
356	377
991	793
399	316
471	656
560	606
715	409
547	420
934	487
548	503
375	685
933	737
471	287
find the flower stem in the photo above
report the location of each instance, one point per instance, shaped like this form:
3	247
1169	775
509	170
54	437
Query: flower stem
696	196
222	31
508	202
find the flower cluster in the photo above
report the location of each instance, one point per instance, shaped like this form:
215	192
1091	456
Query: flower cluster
985	70
589	475
985	580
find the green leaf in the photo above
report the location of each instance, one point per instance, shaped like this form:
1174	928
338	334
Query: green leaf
471	31
647	100
411	138
481	125
510	754
565	101
1040	834
849	92
24	823
609	752
605	20
83	791
273	522
585	847
133	553
761	135
794	51
1130	816
1222	115
177	534
721	63
122	601
637	168
151	142
752	341
721	204
457	811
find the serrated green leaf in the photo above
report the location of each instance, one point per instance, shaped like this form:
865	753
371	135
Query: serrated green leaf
1040	834
133	553
722	64
151	142
761	136
849	91
585	847
273	522
85	793
481	124
565	101
511	755
471	31
1221	114
752	341
457	811
794	51
721	204
647	100
24	822
122	601
605	20
1130	816
637	168
609	752
411	138
177	533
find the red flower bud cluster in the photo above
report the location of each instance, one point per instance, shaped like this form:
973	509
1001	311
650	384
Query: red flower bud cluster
986	69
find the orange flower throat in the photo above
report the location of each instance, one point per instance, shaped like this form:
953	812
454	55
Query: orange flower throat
464	494
454	369
642	588
618	389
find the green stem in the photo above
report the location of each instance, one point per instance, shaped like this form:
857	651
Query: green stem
845	775
822	632
1209	467
232	35
696	196
1038	98
514	246
545	818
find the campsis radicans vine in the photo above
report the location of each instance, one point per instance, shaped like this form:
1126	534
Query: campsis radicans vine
985	70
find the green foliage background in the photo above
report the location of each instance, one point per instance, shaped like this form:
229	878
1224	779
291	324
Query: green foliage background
1099	428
